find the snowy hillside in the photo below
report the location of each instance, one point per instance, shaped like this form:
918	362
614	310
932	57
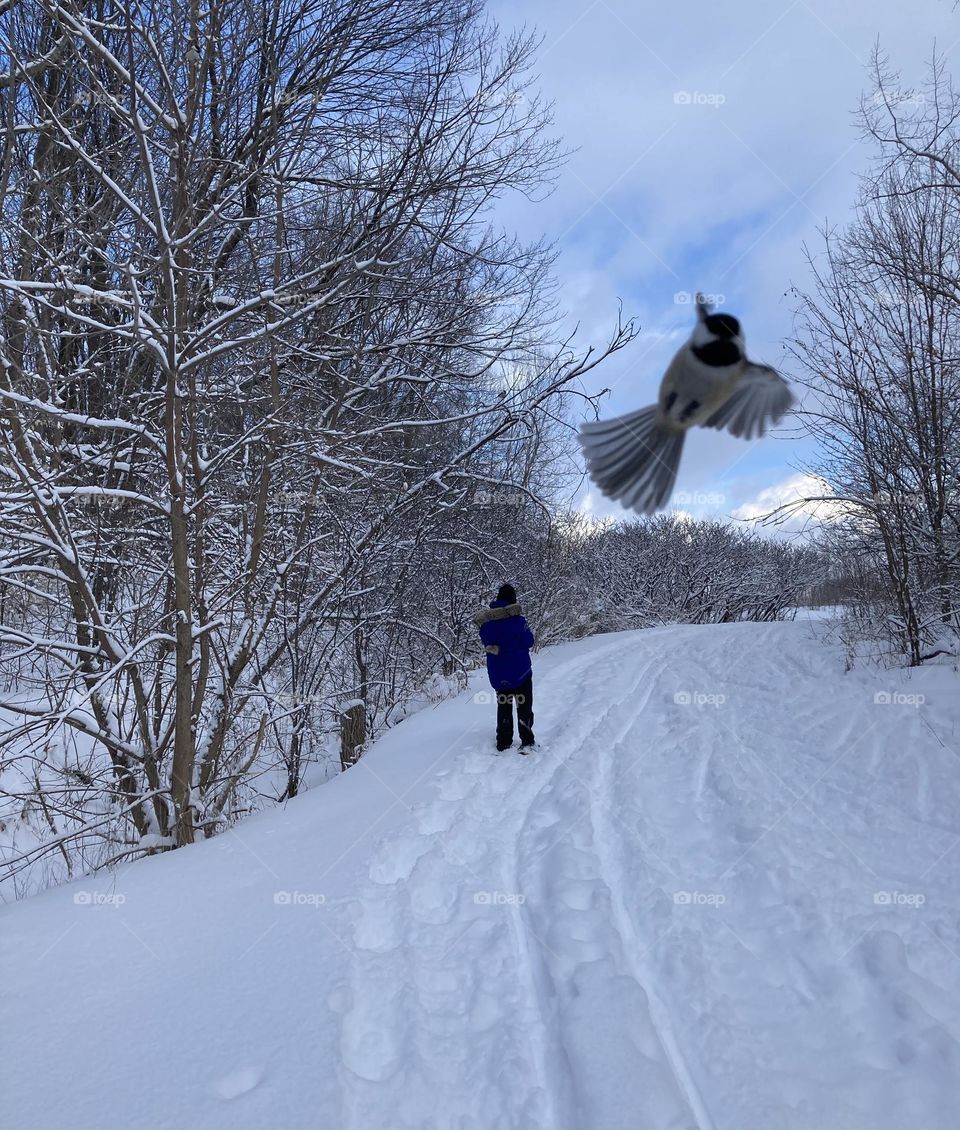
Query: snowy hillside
724	893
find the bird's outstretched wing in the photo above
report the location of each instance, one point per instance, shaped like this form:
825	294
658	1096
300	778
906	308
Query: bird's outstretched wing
761	398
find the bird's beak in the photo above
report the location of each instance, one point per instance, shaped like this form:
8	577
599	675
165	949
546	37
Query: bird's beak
703	307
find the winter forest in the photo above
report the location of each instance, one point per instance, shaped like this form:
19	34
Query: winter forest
280	404
283	401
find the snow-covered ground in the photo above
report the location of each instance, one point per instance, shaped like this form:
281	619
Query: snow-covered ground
725	893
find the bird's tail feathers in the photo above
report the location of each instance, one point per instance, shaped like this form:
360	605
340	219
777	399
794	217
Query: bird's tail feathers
633	459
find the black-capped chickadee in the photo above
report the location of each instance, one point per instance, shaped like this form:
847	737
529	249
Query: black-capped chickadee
710	383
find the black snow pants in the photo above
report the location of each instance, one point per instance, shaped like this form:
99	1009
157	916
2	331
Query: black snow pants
524	699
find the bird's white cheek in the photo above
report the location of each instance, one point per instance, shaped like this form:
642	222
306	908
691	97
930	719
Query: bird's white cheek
701	336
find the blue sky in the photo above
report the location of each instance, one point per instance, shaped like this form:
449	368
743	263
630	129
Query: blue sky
711	141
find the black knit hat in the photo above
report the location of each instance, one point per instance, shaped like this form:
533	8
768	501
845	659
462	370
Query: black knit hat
507	593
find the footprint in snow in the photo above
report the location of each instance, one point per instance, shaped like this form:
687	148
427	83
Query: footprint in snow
396	859
239	1082
438	816
456	787
370	1044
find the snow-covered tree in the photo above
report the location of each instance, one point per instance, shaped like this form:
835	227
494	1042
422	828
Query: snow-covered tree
879	341
261	349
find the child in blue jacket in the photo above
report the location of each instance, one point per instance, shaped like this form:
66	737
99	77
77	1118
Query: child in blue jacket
508	640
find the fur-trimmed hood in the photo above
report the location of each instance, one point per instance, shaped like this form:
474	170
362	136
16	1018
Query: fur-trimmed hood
507	640
500	612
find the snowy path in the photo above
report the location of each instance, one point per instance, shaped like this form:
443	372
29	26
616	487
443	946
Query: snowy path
722	895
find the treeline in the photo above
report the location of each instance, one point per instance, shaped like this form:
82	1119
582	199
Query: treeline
613	576
879	343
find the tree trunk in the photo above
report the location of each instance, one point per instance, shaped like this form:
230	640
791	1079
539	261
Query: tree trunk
353	734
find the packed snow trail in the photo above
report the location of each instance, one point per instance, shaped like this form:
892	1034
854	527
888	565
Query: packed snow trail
722	895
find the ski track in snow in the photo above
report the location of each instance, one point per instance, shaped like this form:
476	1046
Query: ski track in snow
555	1006
490	955
688	909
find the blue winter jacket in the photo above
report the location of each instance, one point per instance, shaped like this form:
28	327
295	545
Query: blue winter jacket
508	640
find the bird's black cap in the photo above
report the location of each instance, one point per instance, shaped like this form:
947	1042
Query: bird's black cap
722	325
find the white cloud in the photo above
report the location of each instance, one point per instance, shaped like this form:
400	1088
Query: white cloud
794	489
